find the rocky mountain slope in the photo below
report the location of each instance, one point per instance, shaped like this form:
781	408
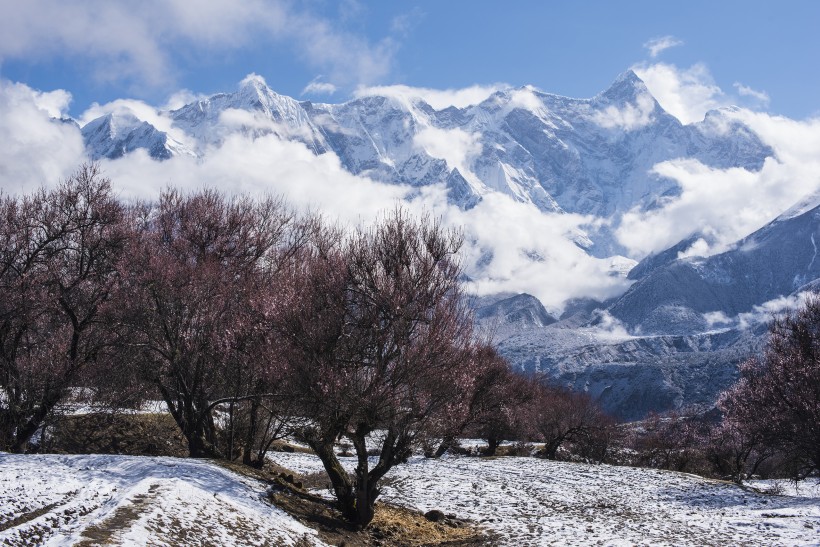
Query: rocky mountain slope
675	338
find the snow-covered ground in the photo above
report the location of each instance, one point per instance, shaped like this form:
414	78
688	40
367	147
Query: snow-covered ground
122	500
529	501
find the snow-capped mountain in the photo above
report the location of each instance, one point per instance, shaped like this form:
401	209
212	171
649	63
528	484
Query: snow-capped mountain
587	156
677	335
114	135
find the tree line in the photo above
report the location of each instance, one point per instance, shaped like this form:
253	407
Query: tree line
251	323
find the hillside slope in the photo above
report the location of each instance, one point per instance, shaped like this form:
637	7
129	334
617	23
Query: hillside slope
121	500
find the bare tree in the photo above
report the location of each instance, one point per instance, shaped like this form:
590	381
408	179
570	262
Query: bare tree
57	274
377	334
777	398
676	441
494	402
200	288
735	451
559	416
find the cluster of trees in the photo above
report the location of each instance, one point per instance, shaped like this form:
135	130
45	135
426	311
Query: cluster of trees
251	323
767	423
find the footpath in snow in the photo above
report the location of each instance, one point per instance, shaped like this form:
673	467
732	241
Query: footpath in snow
58	500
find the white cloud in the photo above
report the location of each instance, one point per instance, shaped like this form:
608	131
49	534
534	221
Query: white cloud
132	42
524	97
516	247
317	87
686	93
657	45
699	248
760	97
717	319
36	149
180	98
609	328
765	312
258	166
455	146
728	204
628	118
437	98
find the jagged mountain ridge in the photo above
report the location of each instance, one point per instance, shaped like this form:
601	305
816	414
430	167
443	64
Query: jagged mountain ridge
587	156
676	297
675	338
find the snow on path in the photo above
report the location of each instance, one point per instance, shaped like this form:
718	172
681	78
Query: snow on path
533	502
125	500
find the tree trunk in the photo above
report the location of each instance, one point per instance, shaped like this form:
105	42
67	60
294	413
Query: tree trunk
250	435
443	447
26	431
365	503
339	479
492	446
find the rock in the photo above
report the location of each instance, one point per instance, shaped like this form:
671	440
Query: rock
434	515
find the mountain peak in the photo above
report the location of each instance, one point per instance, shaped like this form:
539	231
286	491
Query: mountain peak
253	82
626	87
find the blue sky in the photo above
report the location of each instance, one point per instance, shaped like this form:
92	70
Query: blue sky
759	52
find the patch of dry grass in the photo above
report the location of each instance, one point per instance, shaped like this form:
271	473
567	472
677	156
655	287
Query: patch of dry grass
105	433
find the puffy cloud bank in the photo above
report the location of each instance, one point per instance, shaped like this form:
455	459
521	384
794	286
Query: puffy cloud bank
722	204
37	148
511	246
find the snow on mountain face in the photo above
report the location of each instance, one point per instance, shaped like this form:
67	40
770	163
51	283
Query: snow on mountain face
690	294
254	110
112	136
587	156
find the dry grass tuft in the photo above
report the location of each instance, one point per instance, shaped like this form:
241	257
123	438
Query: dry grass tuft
392	526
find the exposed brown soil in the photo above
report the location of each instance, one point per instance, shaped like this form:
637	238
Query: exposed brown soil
392	525
105	532
26	516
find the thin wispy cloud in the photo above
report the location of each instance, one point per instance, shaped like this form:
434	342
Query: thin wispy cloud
745	91
133	43
317	87
656	46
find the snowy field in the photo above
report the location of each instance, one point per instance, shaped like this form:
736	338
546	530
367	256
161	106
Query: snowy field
122	500
125	500
529	501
